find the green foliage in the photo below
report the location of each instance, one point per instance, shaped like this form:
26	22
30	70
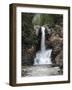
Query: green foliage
46	19
43	19
36	19
28	35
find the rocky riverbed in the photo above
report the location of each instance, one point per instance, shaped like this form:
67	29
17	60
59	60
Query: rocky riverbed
41	70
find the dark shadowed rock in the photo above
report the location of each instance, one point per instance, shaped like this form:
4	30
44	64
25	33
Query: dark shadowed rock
59	58
28	56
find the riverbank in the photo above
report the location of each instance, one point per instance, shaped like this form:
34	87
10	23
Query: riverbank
41	70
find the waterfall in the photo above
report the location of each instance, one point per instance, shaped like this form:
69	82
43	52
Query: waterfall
43	56
43	39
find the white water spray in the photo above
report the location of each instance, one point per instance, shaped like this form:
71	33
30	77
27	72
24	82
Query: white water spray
43	56
43	39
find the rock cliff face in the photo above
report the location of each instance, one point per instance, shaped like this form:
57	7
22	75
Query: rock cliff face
55	41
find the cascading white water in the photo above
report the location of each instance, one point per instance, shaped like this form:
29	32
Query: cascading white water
43	39
43	56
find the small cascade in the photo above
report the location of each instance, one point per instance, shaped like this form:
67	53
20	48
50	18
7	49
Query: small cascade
43	56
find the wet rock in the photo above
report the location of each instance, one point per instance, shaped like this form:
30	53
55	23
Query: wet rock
28	56
59	59
55	42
